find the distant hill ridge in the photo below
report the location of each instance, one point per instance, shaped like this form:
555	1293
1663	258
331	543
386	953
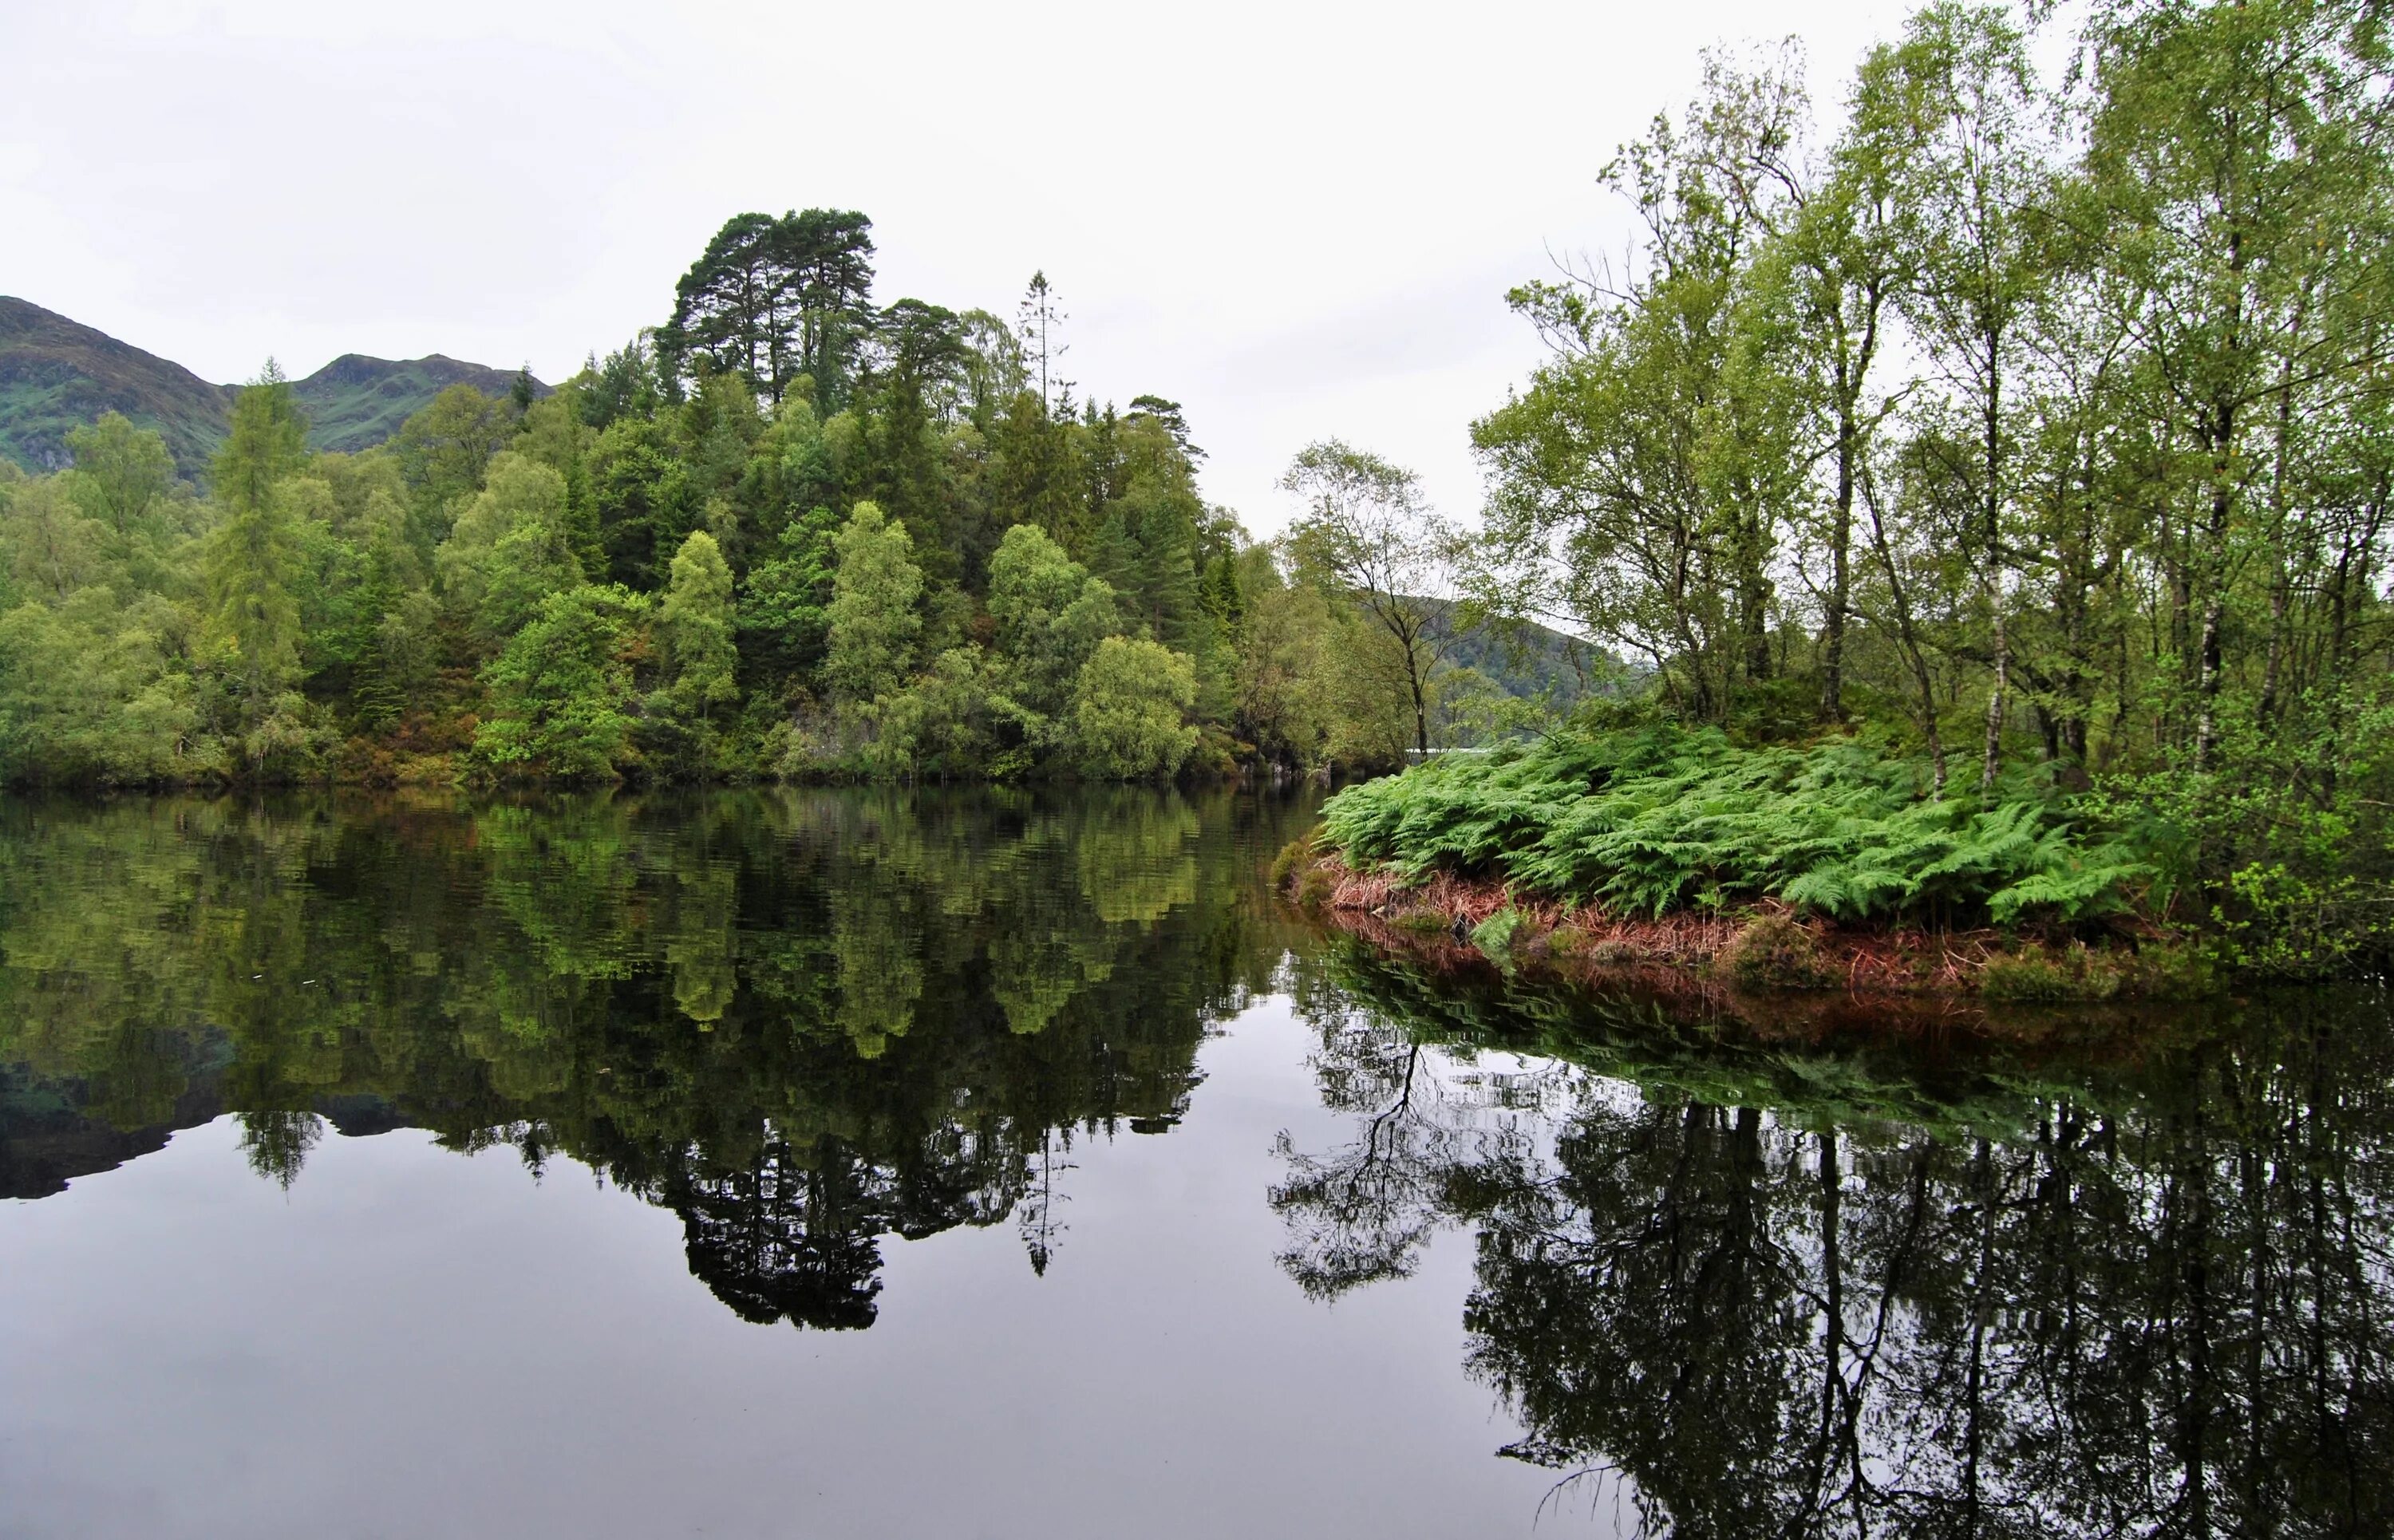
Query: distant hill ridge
57	375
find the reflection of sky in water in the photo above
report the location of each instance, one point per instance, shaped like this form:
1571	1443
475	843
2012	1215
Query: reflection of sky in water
466	1099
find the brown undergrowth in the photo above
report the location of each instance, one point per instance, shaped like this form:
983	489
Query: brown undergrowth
1718	956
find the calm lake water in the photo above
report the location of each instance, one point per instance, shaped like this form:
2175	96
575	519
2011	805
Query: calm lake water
857	1164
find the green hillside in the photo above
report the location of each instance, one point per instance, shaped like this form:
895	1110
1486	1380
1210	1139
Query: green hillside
1530	660
57	375
355	403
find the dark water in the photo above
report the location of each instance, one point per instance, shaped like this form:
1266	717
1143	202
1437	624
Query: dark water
855	1164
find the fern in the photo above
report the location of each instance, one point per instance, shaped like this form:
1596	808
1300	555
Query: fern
1665	819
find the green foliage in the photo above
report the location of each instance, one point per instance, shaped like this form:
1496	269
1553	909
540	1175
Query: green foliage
1049	614
777	301
957	719
253	564
919	543
2037	977
90	691
561	690
1130	706
445	450
508	549
1669	818
1773	952
1296	853
696	628
874	618
784	613
123	471
2062	397
1495	935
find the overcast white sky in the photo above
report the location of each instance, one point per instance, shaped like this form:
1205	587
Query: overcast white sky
1300	221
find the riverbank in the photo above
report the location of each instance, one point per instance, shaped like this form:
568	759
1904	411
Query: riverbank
1837	864
1768	948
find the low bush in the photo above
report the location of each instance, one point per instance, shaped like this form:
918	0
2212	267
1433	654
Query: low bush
1615	954
1495	935
1422	920
2040	977
1292	856
1773	952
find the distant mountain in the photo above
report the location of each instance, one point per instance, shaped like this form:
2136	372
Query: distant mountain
57	374
355	401
1532	661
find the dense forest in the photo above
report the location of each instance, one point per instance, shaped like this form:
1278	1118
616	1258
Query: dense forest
1995	489
786	534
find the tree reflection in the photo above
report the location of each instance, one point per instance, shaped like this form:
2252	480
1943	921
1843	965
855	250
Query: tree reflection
802	1020
786	1239
2152	1300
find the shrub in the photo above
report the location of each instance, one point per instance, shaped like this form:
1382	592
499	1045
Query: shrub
1773	952
2169	970
1294	854
1495	935
1130	709
561	690
2031	977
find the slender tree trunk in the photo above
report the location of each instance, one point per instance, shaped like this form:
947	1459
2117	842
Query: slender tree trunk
1996	703
2215	607
2280	575
1992	447
1911	640
2266	708
1841	538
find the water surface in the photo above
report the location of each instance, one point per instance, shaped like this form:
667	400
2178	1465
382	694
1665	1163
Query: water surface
991	1164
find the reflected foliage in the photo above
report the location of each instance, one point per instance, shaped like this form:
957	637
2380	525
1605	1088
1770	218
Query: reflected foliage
802	1021
1728	1280
1751	1288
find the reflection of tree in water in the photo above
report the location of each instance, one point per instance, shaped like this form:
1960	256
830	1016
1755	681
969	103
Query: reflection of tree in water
785	1239
276	1143
1363	1213
802	1020
2149	1303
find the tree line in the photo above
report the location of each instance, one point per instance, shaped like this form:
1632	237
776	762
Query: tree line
2028	418
787	532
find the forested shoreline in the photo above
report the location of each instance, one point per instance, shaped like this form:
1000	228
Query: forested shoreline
1962	506
785	534
1995	489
